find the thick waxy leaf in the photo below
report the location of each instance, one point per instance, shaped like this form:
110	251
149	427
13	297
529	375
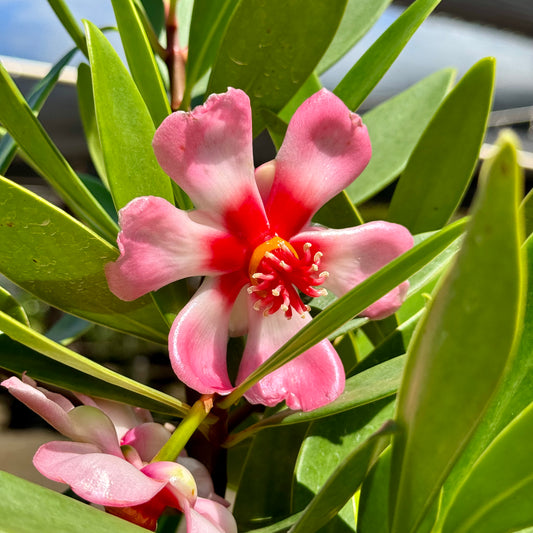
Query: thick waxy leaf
352	303
69	23
141	59
54	257
11	307
366	73
527	209
36	98
380	381
358	18
208	23
30	338
18	118
125	126
440	167
269	53
496	496
348	439
459	352
395	127
51	512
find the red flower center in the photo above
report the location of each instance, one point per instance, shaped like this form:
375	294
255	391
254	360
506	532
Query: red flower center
277	273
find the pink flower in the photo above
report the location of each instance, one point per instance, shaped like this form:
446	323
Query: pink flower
108	464
251	237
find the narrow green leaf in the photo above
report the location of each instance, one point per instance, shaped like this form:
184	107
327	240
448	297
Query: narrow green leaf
496	496
372	385
353	303
18	118
441	166
53	256
36	98
309	87
366	73
269	52
11	307
527	210
208	23
30	338
18	358
338	213
394	128
345	479
458	354
141	60
69	23
359	17
68	328
125	126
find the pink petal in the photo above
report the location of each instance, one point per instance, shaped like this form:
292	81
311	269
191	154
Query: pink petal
208	152
326	147
50	406
208	516
160	244
147	439
179	481
99	478
199	335
353	254
313	379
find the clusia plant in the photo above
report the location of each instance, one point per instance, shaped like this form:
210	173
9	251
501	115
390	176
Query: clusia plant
336	374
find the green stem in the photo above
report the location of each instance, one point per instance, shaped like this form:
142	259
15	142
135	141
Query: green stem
182	434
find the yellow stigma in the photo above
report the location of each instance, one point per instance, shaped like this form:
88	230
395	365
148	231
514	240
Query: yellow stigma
264	248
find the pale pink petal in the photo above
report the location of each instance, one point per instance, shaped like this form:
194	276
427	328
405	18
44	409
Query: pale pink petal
50	406
99	478
199	335
326	147
313	379
208	152
160	244
179	481
207	516
147	439
264	177
353	254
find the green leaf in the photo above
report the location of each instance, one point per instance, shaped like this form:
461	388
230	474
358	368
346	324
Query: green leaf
353	303
54	257
527	210
69	23
141	60
62	513
68	328
359	17
271	48
71	374
366	73
320	455
208	23
338	213
441	166
309	87
394	128
18	118
372	385
458	354
36	98
496	496
11	307
125	126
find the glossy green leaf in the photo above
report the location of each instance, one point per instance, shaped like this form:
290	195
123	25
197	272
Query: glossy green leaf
358	18
394	128
268	52
101	193
372	385
208	23
68	328
141	60
496	496
366	73
51	512
54	257
458	354
353	303
84	87
71	375
267	477
125	126
11	307
69	23
36	98
18	118
318	469
339	212
527	210
441	166
309	87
